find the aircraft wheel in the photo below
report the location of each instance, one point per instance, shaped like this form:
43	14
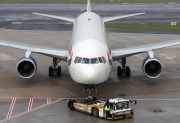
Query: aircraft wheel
95	112
50	71
119	71
128	71
59	71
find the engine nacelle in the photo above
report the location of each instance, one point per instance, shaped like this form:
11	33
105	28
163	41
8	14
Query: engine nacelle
152	67
26	67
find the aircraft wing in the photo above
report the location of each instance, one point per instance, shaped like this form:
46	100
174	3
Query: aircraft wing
126	52
107	19
57	17
52	52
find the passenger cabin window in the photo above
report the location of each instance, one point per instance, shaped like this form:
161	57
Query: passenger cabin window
79	60
94	61
75	60
85	61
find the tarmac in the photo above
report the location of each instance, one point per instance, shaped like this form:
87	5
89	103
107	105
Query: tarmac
42	99
18	16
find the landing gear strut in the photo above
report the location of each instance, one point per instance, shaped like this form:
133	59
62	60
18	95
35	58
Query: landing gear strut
123	69
55	69
89	90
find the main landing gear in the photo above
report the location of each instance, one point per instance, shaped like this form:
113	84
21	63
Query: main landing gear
123	69
55	69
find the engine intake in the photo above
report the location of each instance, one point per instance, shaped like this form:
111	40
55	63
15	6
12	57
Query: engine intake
152	67
26	67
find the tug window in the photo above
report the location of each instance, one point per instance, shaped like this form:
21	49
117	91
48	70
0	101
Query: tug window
100	60
79	60
94	61
85	61
75	60
122	105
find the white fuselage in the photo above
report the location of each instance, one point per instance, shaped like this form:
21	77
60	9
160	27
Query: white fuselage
89	51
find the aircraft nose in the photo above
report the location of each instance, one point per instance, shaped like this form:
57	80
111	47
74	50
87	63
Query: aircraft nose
90	75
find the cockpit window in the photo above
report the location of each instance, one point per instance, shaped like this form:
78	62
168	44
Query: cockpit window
100	60
75	60
104	59
79	60
90	61
94	61
85	61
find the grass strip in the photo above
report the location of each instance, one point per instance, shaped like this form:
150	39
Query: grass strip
148	26
141	26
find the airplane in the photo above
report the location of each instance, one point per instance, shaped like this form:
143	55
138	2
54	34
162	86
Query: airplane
89	57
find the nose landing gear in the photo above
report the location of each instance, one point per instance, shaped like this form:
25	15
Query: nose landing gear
124	70
90	90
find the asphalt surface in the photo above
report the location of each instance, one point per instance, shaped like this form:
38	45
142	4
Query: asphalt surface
158	99
22	13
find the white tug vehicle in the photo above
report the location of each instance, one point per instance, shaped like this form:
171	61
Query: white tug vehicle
119	107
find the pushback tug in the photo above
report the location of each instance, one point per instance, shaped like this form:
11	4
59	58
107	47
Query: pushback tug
119	107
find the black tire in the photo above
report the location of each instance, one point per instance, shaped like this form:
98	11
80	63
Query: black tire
71	105
59	71
50	71
95	98
119	71
128	71
95	112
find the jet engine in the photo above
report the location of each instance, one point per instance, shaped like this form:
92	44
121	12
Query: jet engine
26	67
152	67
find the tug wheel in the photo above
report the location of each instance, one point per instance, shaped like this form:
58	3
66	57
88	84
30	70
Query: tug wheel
71	105
95	112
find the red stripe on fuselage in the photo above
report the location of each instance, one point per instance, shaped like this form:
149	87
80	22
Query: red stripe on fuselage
109	52
70	52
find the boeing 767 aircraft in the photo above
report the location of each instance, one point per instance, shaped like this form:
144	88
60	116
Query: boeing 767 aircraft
89	57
